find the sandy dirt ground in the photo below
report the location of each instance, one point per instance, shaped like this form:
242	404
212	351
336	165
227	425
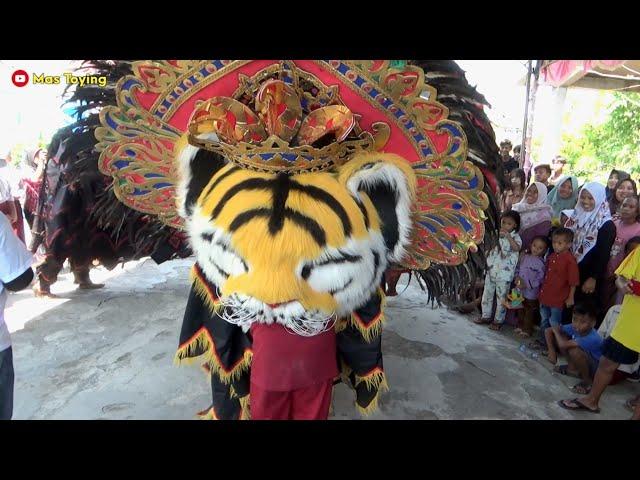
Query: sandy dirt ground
108	354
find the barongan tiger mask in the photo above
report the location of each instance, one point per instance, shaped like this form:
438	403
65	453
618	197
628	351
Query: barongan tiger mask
290	247
298	183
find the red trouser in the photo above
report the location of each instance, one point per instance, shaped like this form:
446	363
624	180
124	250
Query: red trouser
309	403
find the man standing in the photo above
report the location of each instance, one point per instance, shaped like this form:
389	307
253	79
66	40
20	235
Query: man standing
15	274
516	154
508	162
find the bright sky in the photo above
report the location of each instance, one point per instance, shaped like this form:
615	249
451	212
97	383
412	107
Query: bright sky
35	110
499	81
31	110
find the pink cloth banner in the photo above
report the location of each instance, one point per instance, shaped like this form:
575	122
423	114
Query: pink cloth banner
558	72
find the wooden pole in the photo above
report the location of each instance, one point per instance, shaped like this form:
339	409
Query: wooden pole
531	99
526	115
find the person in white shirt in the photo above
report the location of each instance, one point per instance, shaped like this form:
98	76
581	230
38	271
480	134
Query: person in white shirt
610	319
15	274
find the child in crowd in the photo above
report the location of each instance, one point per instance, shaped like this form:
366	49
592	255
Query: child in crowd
542	173
581	345
560	281
617	294
529	277
565	215
501	263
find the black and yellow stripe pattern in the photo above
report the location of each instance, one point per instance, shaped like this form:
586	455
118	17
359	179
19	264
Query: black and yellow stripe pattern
276	223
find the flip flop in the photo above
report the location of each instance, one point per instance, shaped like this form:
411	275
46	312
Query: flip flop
482	321
579	406
631	404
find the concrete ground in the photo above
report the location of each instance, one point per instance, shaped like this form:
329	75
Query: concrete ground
108	354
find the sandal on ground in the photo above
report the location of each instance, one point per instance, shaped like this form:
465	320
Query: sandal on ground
495	326
577	405
535	345
482	321
631	403
564	370
523	334
44	293
582	388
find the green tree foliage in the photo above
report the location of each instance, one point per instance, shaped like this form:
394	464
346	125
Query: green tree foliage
615	143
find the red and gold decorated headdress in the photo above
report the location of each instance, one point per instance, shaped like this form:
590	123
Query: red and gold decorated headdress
295	116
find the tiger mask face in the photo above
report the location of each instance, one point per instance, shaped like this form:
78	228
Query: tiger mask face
295	249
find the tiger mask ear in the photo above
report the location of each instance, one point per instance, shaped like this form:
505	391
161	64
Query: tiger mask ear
390	183
196	166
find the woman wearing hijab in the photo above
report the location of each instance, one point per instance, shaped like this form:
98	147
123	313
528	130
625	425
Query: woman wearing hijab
615	177
594	234
564	196
535	214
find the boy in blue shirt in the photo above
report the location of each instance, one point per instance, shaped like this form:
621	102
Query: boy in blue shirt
580	343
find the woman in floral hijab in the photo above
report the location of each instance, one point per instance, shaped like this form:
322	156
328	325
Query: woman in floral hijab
594	234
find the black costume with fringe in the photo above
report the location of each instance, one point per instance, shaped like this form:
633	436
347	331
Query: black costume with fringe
80	218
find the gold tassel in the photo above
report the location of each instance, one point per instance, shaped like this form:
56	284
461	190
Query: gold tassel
202	289
203	340
370	331
245	413
227	377
378	380
374	329
375	380
185	352
369	409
